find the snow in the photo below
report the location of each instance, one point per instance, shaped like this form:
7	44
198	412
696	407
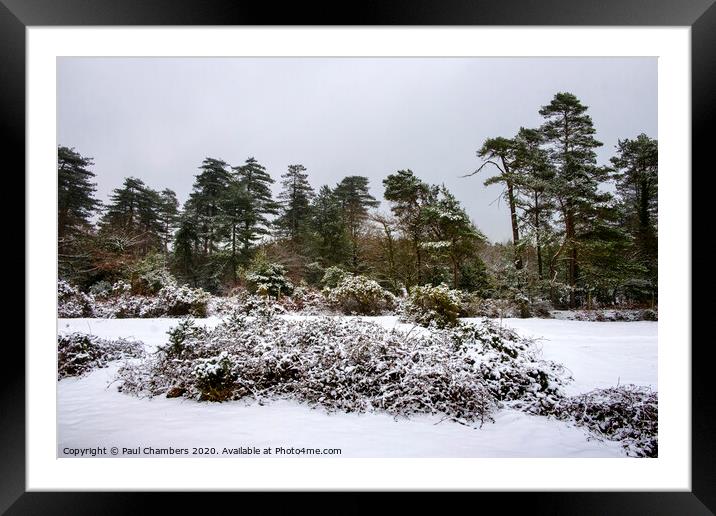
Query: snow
92	413
597	354
153	332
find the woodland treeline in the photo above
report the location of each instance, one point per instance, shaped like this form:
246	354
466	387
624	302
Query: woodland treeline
582	234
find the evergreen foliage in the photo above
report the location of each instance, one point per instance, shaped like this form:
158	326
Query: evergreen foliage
574	244
355	199
75	193
255	183
438	306
296	199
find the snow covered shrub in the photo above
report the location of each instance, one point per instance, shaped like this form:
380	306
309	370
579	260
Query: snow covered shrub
172	300
214	377
433	305
625	413
79	353
649	315
262	307
524	306
220	305
350	365
252	304
101	290
71	302
360	295
180	300
125	305
305	300
121	287
239	299
602	315
510	366
333	276
178	336
542	309
269	279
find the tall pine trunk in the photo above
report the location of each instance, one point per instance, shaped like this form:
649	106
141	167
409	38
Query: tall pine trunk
538	245
515	227
513	214
572	258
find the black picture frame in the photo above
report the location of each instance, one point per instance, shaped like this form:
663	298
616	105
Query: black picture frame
700	15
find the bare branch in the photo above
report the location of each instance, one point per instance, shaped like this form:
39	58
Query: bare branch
488	162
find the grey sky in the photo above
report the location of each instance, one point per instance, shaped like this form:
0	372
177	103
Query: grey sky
158	118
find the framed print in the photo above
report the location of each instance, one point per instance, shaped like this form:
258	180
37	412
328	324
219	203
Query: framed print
418	250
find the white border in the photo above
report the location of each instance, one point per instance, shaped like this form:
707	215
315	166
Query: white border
670	471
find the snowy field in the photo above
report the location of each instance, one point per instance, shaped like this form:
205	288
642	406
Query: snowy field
91	413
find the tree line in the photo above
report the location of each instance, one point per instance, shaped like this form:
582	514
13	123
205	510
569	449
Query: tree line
581	233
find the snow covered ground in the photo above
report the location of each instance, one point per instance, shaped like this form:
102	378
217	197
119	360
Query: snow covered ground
91	413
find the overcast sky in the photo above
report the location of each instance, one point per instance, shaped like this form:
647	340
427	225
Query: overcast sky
158	118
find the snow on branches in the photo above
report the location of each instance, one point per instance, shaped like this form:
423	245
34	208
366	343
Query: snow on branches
626	413
350	365
438	305
360	295
172	300
79	353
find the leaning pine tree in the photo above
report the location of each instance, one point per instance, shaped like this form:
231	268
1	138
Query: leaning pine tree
500	153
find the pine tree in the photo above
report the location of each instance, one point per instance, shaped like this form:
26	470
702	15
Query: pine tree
355	200
75	193
256	183
236	216
388	272
296	196
168	214
122	212
205	201
637	181
607	264
452	233
409	196
328	228
132	215
76	206
568	133
500	153
150	223
534	177
185	251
